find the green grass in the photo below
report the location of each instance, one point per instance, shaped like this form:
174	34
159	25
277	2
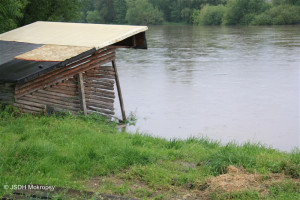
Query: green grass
69	150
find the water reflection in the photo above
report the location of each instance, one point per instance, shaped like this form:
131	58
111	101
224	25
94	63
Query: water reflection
227	83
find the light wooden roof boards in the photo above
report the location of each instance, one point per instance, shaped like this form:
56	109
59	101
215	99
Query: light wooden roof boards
72	34
51	52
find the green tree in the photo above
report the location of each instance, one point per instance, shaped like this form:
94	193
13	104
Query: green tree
85	7
106	9
186	15
279	15
142	12
294	2
11	13
94	17
164	6
284	2
209	15
182	10
175	12
120	9
50	10
243	11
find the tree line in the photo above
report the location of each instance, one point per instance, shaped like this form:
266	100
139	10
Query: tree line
204	12
15	13
253	12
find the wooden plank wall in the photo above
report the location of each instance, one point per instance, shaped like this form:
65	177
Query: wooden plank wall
62	96
7	91
99	90
60	88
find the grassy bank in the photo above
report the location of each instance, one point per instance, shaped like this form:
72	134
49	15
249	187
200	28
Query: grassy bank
88	153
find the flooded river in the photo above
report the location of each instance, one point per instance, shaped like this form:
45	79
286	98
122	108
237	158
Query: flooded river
225	83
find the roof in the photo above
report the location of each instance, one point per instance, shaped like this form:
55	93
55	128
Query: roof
72	34
34	49
23	70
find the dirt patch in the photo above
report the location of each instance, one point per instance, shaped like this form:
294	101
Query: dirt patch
114	184
238	179
94	183
137	188
234	180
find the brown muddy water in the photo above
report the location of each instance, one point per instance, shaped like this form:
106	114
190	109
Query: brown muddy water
225	83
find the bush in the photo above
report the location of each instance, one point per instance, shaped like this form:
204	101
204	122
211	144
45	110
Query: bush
283	2
142	12
262	19
279	15
94	17
209	15
186	15
243	11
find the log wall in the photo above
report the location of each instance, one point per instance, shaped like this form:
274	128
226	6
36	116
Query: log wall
63	96
99	90
61	88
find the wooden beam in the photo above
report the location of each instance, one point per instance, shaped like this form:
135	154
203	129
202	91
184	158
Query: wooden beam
82	93
119	90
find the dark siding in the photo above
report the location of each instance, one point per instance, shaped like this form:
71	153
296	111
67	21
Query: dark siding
9	50
7	91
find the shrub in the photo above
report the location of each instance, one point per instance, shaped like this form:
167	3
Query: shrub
186	15
142	12
279	15
243	11
262	19
282	2
209	15
94	17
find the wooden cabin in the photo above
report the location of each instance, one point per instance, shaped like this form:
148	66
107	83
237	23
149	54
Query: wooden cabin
65	66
